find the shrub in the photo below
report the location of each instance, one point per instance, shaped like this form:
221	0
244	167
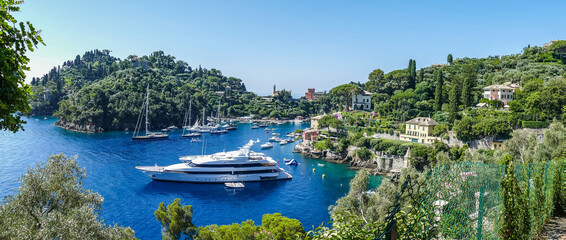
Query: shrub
363	153
535	124
363	142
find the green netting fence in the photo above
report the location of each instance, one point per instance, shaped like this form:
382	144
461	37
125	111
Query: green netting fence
467	201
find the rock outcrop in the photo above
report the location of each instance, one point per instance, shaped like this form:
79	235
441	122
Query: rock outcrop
78	128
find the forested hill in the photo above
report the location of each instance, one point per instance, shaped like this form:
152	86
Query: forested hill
446	91
102	91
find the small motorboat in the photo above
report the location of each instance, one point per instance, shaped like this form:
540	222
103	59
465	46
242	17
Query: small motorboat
283	142
290	135
293	162
195	134
287	160
274	139
219	131
234	184
275	134
255	127
266	145
194	140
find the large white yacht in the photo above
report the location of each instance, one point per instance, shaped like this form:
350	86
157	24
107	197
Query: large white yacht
242	165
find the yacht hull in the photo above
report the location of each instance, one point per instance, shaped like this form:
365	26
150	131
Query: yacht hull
158	174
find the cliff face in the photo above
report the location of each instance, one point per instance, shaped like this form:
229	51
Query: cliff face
78	128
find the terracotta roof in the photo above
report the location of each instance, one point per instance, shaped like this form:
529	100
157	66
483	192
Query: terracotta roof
422	121
499	87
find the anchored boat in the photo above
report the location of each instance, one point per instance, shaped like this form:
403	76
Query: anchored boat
242	165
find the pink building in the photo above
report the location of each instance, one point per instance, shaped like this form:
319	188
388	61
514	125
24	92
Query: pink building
503	93
311	135
312	95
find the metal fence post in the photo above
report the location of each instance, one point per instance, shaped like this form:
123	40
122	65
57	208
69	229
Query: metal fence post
480	212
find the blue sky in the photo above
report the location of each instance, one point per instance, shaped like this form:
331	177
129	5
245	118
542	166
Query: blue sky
293	44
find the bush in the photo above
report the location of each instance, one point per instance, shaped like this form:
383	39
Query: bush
363	142
535	124
325	144
363	153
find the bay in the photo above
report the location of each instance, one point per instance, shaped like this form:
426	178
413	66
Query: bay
130	198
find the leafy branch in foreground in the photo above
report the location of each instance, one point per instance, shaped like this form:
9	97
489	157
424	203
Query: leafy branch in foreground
15	40
51	203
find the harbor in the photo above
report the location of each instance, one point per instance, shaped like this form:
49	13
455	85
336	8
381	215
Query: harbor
111	159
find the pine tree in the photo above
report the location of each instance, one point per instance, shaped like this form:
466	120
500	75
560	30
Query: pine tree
438	92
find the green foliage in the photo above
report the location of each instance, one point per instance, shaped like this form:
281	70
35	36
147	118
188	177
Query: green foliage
274	226
470	128
440	130
412	74
449	59
246	230
469	76
364	154
51	203
345	92
514	212
16	39
99	90
329	121
438	92
325	144
175	220
365	208
454	100
281	227
534	124
375	79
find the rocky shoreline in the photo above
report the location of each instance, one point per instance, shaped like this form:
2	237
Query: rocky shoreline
349	158
78	128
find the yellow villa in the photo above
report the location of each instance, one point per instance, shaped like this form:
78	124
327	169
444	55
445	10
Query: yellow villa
419	130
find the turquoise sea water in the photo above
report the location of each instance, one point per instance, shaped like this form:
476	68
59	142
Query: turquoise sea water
130	198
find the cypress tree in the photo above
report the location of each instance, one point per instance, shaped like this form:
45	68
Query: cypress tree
468	85
412	74
449	59
454	100
421	75
438	92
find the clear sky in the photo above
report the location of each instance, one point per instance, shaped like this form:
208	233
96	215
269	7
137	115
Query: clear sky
294	44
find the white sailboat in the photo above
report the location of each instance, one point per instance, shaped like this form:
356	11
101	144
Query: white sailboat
189	134
147	134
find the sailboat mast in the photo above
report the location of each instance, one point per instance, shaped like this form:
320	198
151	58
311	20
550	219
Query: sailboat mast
218	113
190	108
147	109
